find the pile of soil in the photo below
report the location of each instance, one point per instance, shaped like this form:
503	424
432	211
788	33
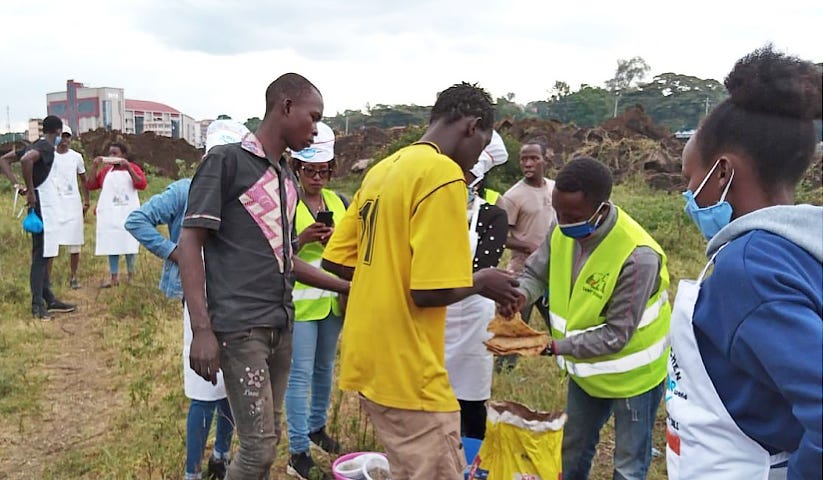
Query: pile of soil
362	144
630	144
160	152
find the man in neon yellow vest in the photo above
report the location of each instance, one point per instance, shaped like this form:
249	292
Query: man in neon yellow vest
317	313
609	315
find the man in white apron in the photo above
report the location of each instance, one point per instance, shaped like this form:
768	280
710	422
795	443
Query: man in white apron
36	165
119	181
70	209
744	388
468	361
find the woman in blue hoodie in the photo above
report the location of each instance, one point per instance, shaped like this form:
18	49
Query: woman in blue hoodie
745	373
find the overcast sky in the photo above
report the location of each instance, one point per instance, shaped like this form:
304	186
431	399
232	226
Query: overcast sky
207	57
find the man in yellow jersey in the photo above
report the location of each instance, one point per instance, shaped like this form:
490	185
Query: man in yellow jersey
609	316
405	243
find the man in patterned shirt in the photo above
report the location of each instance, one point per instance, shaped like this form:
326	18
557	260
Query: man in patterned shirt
241	207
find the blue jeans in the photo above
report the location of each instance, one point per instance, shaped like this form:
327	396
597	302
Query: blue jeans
198	424
633	423
314	346
115	259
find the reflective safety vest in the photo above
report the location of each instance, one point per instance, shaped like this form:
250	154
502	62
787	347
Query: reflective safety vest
313	303
491	196
574	309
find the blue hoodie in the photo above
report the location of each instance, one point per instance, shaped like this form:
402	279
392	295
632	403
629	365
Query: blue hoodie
759	330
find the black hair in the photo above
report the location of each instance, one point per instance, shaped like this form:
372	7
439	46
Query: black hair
768	117
464	100
291	85
587	175
66	134
52	124
122	146
540	142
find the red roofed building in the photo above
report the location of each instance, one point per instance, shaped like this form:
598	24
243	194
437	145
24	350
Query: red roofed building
147	116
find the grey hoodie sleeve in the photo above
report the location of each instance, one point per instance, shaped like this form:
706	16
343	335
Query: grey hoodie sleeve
638	280
535	276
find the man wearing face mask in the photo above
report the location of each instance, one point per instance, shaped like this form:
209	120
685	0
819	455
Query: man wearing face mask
609	316
36	165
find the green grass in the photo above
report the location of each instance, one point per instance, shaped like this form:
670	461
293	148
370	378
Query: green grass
139	334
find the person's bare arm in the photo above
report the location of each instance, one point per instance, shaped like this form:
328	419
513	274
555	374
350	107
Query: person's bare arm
342	271
314	277
492	283
27	165
521	245
5	166
85	192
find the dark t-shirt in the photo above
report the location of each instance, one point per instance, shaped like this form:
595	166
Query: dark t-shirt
42	167
236	196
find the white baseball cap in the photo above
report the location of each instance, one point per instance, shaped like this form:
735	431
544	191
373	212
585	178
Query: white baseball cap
66	130
493	155
322	150
222	132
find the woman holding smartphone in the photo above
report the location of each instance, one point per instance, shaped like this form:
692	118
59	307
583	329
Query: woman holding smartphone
317	313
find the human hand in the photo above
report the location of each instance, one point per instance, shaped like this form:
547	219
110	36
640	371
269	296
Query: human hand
97	161
85	208
31	198
204	356
507	310
174	256
316	232
498	285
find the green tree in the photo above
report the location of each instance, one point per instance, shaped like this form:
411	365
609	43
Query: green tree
223	116
627	73
586	107
252	123
677	101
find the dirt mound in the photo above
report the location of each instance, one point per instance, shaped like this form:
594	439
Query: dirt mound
629	144
160	152
362	144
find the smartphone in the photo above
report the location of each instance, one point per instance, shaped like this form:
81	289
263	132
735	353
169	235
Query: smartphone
326	218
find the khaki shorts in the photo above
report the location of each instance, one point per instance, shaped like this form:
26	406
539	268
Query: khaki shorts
420	445
74	248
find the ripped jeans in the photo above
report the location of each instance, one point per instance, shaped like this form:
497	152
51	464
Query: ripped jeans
633	424
255	366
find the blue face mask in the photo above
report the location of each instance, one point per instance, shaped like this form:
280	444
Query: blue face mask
57	140
711	219
582	229
472	194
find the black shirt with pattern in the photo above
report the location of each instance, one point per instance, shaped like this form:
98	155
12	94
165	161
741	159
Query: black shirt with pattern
492	230
237	194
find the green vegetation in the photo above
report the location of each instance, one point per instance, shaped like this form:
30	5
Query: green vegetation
135	398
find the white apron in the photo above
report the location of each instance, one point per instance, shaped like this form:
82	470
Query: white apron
69	214
49	207
118	198
195	387
468	362
702	440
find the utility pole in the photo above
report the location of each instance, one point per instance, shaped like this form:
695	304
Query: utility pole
347	124
707	107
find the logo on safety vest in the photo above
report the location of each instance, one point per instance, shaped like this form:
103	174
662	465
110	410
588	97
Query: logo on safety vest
596	284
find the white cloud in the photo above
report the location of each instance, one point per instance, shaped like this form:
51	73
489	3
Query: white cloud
207	57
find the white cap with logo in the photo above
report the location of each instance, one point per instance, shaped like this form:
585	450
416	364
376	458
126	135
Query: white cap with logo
222	132
322	150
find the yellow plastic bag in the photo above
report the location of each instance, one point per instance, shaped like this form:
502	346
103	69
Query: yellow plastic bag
520	444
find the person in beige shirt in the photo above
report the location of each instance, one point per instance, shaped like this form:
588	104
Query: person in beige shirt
528	205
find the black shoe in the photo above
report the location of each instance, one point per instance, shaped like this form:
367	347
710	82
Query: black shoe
302	466
40	312
216	469
325	442
61	307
